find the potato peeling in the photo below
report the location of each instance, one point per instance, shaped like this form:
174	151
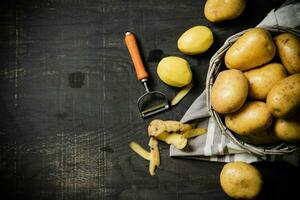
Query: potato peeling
181	94
139	150
170	132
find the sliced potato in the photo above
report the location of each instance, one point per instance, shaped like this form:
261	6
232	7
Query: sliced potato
173	138
194	132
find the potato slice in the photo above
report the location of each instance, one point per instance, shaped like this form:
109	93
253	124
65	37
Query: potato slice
154	156
139	150
181	94
194	132
173	138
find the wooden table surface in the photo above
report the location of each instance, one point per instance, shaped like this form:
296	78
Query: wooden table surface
68	100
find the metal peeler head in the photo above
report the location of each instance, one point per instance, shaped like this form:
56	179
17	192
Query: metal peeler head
152	103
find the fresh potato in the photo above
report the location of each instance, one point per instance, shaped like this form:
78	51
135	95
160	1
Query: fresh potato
266	137
240	180
221	10
254	117
262	79
288	49
195	40
288	130
252	49
174	71
284	98
229	91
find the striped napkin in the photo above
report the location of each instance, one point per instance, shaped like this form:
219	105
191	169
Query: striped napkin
214	146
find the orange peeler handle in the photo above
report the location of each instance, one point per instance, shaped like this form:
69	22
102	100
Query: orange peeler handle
135	56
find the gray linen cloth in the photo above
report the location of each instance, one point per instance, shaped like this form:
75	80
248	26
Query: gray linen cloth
214	146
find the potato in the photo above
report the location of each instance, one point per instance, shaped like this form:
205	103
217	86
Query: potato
288	49
266	137
221	10
262	79
253	118
288	130
174	71
229	91
284	98
195	40
240	180
252	49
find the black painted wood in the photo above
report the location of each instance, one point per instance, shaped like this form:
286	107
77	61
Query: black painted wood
68	100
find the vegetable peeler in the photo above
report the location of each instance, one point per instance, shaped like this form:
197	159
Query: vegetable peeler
152	102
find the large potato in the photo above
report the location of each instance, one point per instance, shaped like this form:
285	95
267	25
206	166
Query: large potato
196	40
262	79
266	137
174	71
253	118
288	130
229	91
220	10
284	98
252	49
288	48
240	180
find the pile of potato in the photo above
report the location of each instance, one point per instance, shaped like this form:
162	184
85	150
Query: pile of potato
259	93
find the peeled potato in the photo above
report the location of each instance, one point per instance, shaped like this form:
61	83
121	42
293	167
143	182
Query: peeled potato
240	180
196	40
174	71
221	10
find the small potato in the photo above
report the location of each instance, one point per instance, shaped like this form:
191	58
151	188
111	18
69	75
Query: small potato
221	10
196	40
254	48
267	137
240	180
284	98
288	130
174	71
288	49
253	118
229	91
262	79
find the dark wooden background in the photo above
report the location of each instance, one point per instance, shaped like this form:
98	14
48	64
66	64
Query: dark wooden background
68	100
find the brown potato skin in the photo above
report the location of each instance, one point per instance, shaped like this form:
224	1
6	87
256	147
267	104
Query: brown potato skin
288	130
253	118
262	79
264	138
240	180
229	91
221	10
252	49
283	100
288	50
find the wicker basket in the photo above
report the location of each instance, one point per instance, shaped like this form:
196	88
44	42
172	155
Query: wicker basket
215	65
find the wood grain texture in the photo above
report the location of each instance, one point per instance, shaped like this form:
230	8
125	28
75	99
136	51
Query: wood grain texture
68	100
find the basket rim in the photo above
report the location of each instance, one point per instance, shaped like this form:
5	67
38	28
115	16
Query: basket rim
214	68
